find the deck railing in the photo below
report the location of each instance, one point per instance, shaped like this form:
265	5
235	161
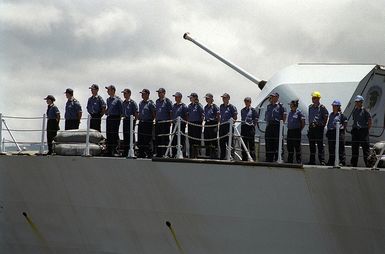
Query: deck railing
175	133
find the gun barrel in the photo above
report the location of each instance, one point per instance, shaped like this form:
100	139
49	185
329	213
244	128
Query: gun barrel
244	73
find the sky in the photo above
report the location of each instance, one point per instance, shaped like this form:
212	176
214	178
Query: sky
48	46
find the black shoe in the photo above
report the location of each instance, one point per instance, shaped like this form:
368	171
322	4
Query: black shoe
323	163
311	163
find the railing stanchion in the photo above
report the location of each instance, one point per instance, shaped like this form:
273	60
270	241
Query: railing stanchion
42	134
179	153
12	137
1	132
280	140
337	149
87	150
229	148
379	157
131	151
249	158
172	136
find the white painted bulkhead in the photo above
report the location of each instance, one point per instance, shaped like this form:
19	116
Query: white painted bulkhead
115	205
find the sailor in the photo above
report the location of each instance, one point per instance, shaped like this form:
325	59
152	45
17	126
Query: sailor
96	107
73	112
210	132
163	111
336	116
179	109
53	116
227	111
275	112
295	124
318	117
114	114
145	127
249	118
195	117
129	108
362	122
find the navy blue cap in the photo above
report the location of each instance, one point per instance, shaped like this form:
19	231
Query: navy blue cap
194	95
112	87
126	90
145	91
50	97
69	91
94	86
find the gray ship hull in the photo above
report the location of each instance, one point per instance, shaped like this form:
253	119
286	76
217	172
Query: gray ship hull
114	205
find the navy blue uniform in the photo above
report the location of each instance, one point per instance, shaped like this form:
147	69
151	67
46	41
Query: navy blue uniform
360	135
71	115
249	118
130	108
211	129
195	116
95	106
163	113
318	115
227	112
145	128
273	115
179	110
52	125
331	135
114	113
294	128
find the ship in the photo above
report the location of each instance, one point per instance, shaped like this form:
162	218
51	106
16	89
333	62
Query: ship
91	204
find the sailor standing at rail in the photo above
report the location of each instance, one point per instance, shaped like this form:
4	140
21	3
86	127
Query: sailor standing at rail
336	116
129	108
362	122
145	127
318	117
179	109
295	124
275	112
114	114
53	116
249	118
163	111
96	107
195	118
212	115
227	111
73	112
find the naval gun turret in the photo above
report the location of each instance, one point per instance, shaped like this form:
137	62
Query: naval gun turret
343	81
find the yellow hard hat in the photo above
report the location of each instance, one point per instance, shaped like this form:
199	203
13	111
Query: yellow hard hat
316	94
